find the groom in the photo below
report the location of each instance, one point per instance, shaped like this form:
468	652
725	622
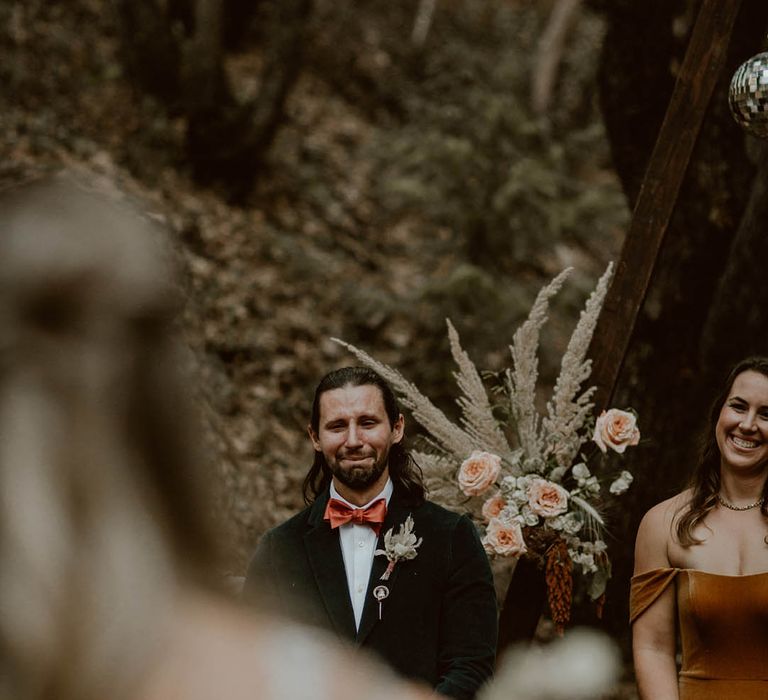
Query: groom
427	608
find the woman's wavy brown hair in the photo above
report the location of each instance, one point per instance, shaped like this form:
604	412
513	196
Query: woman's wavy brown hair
705	481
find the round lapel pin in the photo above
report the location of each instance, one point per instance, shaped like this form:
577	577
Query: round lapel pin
380	593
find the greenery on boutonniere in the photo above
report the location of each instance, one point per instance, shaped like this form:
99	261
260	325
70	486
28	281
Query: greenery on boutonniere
527	479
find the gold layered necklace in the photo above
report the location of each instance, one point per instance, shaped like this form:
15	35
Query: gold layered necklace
730	506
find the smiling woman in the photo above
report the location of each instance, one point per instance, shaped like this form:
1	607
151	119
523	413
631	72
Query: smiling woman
711	541
742	433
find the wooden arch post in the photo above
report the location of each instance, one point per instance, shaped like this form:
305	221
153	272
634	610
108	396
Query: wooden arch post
703	62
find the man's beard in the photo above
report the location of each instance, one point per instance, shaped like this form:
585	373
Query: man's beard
359	478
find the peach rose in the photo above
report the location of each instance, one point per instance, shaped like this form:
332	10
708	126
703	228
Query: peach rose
616	429
478	472
547	498
504	538
493	506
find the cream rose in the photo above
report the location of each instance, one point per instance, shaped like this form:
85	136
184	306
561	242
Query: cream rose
547	498
621	484
616	429
504	538
493	506
478	472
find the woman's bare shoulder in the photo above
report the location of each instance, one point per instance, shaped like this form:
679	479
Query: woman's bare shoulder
663	514
654	536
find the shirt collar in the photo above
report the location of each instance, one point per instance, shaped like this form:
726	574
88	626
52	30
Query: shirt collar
385	493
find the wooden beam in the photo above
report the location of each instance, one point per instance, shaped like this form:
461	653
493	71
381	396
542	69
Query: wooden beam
703	62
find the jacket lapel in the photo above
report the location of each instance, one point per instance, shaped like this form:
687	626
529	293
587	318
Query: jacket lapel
324	554
397	512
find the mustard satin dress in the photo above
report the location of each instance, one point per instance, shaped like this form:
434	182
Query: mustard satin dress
723	623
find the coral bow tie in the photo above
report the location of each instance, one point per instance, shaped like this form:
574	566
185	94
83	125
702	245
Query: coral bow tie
339	513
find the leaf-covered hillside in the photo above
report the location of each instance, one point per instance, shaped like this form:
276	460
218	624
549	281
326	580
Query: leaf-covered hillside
404	183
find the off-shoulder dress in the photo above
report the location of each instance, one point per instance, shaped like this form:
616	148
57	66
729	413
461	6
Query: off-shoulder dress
723	627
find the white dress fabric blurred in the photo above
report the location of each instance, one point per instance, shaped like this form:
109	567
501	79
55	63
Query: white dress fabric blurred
219	651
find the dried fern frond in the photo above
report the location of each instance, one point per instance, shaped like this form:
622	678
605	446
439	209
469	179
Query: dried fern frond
521	379
566	412
434	464
594	523
477	415
440	479
449	436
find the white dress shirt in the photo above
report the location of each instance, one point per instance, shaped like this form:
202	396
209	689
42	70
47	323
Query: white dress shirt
358	543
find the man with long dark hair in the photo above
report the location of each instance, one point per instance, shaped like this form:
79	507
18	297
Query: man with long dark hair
370	558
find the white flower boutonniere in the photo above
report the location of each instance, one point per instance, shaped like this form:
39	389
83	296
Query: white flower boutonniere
399	547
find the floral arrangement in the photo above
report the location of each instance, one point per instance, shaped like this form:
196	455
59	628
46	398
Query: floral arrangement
526	479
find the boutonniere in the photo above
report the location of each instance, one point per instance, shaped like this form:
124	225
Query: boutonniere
397	547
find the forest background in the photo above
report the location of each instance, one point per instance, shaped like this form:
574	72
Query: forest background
364	170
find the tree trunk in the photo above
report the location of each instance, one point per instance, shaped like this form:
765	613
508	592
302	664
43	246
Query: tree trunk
150	51
662	376
177	54
227	140
666	170
737	324
635	82
549	53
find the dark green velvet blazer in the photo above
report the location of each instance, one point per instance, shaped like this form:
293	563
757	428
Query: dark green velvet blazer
439	622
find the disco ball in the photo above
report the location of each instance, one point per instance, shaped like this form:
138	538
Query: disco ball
748	95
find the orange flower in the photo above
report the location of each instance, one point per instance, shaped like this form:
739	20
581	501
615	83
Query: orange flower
547	498
493	506
504	538
616	429
478	472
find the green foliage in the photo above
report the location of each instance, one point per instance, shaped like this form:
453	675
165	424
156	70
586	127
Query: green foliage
505	189
472	157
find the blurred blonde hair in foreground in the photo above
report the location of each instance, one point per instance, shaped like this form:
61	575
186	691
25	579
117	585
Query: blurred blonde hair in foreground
107	559
100	508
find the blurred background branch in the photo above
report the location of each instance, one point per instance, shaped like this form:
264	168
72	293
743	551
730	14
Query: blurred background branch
423	22
549	53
